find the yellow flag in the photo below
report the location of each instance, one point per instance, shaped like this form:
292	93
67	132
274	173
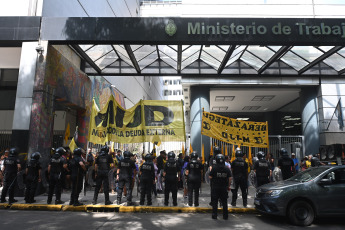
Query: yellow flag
112	147
226	151
67	133
72	145
203	154
211	152
233	153
190	148
154	150
250	156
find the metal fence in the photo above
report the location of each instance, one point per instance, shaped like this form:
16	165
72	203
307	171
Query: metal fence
293	144
5	139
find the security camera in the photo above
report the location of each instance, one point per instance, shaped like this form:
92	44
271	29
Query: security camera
39	49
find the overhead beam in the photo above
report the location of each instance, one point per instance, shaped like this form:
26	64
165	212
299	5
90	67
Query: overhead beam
226	59
179	58
341	71
320	59
132	57
81	52
277	55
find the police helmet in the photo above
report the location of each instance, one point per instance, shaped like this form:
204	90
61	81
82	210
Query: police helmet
105	149
220	159
148	157
52	151
238	153
61	151
36	156
283	152
127	154
194	155
14	152
171	155
216	150
78	151
260	155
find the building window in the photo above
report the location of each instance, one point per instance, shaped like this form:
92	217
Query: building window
167	92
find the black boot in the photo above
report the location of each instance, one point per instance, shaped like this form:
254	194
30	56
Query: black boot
95	199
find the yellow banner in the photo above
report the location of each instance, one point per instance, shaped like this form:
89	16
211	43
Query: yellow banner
236	132
147	121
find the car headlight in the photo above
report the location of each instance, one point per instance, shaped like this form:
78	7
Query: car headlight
271	193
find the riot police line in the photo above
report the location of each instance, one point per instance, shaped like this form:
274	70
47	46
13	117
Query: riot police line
222	179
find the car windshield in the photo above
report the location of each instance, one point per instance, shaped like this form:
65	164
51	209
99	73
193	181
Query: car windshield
308	174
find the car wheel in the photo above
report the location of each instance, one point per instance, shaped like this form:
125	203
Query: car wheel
301	213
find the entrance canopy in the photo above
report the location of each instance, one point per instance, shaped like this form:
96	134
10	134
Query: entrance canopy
203	46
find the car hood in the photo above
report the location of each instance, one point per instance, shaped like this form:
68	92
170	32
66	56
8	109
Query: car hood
279	185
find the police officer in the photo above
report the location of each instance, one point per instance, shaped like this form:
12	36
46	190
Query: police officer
262	169
124	177
56	168
286	164
240	174
11	168
147	178
220	176
315	160
77	173
103	164
212	162
193	173
172	176
33	176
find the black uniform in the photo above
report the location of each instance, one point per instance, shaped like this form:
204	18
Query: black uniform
56	177
262	168
147	179
171	169
77	174
103	163
286	164
194	181
219	184
10	178
32	177
240	175
126	167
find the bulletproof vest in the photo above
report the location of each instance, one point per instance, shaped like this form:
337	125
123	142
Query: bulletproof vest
103	164
239	168
263	169
213	161
220	178
147	170
33	167
171	167
315	162
194	171
125	168
75	166
11	164
286	164
56	165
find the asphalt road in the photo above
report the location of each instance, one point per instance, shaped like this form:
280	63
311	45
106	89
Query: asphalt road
79	220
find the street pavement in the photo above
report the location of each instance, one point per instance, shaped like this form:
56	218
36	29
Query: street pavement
158	201
14	219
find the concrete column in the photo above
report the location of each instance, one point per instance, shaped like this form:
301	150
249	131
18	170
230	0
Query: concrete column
310	125
200	98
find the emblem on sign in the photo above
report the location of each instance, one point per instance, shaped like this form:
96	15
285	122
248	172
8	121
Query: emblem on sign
171	28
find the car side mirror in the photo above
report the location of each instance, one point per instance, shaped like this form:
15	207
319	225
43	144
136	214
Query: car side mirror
325	182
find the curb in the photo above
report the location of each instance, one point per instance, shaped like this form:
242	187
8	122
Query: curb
118	208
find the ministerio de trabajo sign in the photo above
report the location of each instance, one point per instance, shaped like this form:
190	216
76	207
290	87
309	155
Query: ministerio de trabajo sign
195	31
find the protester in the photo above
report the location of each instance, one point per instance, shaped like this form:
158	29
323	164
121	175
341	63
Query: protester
296	162
184	177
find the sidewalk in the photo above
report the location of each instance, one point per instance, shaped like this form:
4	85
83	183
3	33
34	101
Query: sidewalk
157	203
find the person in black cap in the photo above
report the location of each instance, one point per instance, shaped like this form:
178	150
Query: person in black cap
124	177
77	173
56	168
103	164
262	169
220	176
33	176
11	168
147	178
286	164
172	176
